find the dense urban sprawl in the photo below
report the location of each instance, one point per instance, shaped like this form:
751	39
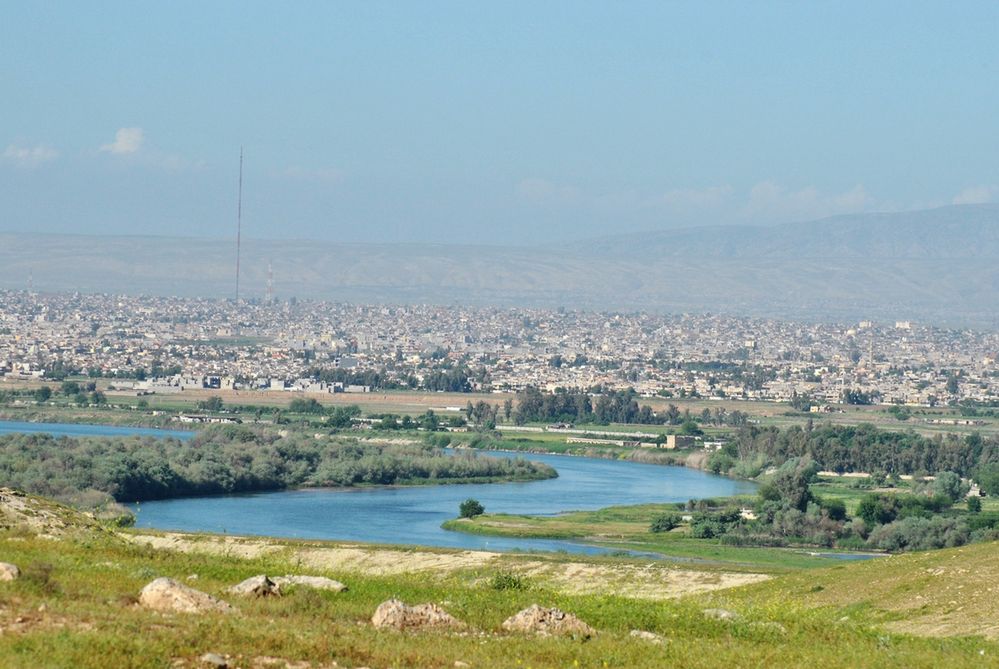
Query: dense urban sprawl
161	345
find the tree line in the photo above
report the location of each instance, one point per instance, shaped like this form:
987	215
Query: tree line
229	459
859	448
618	406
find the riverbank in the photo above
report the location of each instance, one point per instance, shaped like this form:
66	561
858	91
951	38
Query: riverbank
626	528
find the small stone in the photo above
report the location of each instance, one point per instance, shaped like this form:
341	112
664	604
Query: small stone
722	614
461	665
315	582
651	637
256	586
214	660
8	571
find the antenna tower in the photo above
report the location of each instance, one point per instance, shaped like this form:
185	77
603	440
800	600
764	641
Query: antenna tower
239	219
270	284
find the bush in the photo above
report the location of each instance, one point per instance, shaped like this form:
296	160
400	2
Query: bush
974	504
507	580
916	534
471	508
665	522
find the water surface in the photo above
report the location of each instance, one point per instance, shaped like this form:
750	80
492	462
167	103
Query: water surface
413	515
88	430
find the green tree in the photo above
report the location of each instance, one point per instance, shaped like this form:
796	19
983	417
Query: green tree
948	484
987	478
43	394
213	403
974	504
471	508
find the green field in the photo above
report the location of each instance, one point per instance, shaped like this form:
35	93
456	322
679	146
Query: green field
76	606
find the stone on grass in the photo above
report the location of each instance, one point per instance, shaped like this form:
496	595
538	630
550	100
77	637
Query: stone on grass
256	586
539	620
166	594
722	614
651	637
315	582
395	614
214	660
8	571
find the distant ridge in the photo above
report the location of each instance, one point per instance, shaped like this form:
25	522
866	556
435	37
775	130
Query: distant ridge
939	266
955	231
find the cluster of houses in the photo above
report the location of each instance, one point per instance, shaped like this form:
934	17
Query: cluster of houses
163	345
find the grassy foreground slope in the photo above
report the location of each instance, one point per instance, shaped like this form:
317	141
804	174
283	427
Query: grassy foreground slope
933	593
75	605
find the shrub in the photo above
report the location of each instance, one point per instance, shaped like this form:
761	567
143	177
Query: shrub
665	522
917	534
471	508
507	580
974	504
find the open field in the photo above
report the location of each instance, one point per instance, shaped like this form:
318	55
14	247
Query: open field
448	404
75	605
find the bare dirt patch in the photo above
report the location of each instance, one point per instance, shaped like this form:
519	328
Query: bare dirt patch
654	581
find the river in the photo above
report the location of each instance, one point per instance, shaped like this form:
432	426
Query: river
413	515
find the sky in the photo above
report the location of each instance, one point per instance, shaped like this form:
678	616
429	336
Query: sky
495	123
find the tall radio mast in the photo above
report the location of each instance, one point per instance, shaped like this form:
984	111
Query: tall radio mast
270	284
239	219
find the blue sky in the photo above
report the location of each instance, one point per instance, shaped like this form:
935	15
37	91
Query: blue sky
489	122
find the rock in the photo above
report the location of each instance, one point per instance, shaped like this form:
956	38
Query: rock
395	614
256	586
316	582
651	637
214	660
538	620
722	614
8	571
461	665
166	594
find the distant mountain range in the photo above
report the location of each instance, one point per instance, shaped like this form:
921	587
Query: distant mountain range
939	265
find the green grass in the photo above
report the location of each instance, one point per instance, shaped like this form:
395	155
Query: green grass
76	606
627	528
88	589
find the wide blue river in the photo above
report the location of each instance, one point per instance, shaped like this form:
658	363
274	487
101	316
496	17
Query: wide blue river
413	515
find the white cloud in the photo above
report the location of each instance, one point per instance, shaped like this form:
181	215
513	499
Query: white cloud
772	203
126	140
29	156
976	195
